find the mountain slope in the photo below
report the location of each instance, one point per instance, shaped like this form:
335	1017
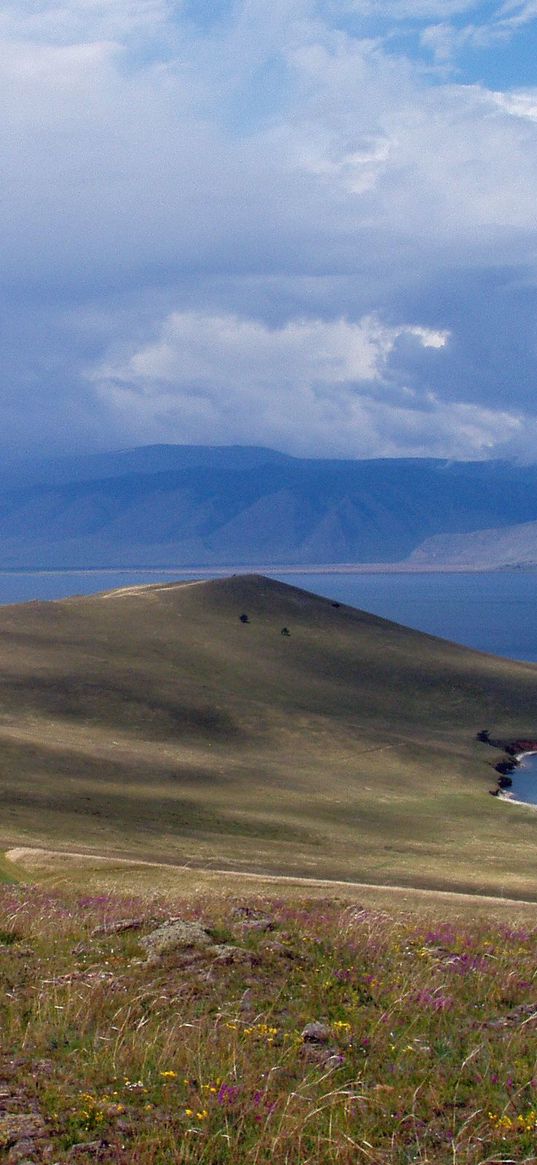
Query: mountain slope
151	721
143	459
507	546
247	506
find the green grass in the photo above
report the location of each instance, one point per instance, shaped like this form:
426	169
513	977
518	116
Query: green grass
428	1051
151	723
10	872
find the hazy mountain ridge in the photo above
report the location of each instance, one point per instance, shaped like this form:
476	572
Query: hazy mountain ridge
203	506
513	545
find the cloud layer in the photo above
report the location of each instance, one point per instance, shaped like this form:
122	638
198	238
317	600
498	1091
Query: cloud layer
305	224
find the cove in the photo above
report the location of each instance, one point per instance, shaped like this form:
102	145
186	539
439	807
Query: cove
524	787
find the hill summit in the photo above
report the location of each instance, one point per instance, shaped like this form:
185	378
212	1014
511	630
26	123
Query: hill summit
246	724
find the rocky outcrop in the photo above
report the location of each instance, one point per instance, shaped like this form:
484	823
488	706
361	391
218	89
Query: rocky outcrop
513	750
173	935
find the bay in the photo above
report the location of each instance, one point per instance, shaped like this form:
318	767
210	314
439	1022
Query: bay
494	612
525	781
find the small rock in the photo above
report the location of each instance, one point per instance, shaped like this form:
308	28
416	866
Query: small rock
173	936
16	1127
95	1148
277	948
226	953
29	1153
259	924
319	1054
248	912
22	1154
252	919
121	925
316	1033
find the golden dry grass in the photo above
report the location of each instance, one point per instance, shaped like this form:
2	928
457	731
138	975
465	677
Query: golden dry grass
68	871
150	723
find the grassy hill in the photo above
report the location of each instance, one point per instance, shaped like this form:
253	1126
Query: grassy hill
151	722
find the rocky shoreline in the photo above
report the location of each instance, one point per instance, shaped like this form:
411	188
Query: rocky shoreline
515	751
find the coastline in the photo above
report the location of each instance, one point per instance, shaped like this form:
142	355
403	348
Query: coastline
264	568
506	795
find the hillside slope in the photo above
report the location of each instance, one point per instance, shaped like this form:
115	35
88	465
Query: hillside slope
488	549
152	722
172	506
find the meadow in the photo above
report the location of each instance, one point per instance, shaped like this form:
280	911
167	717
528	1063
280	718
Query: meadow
277	1029
256	904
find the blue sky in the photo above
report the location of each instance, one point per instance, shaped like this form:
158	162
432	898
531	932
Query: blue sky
308	224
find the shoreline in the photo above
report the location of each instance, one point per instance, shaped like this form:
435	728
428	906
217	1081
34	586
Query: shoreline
269	568
506	795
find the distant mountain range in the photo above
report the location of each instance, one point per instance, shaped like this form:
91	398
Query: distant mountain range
486	549
202	506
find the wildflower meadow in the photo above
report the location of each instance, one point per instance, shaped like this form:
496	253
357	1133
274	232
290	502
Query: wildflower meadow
298	1033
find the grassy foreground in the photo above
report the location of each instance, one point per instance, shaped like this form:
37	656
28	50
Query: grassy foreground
152	723
306	1032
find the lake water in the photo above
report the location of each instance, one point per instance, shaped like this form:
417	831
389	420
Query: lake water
525	781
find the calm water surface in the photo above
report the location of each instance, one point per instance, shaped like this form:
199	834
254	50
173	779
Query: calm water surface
525	781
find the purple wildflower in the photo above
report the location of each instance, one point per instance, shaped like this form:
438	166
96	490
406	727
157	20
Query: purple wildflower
227	1094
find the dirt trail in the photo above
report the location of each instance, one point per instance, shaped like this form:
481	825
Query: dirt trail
33	858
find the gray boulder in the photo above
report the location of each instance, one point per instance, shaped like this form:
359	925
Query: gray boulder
175	935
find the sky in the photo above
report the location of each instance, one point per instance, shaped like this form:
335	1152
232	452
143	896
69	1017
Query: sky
309	224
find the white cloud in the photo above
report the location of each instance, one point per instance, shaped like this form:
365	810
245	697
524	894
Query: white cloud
308	383
82	20
415	10
116	167
492	27
519	103
147	160
193	347
518	12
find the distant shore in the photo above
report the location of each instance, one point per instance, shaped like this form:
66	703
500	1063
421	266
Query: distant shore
270	568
